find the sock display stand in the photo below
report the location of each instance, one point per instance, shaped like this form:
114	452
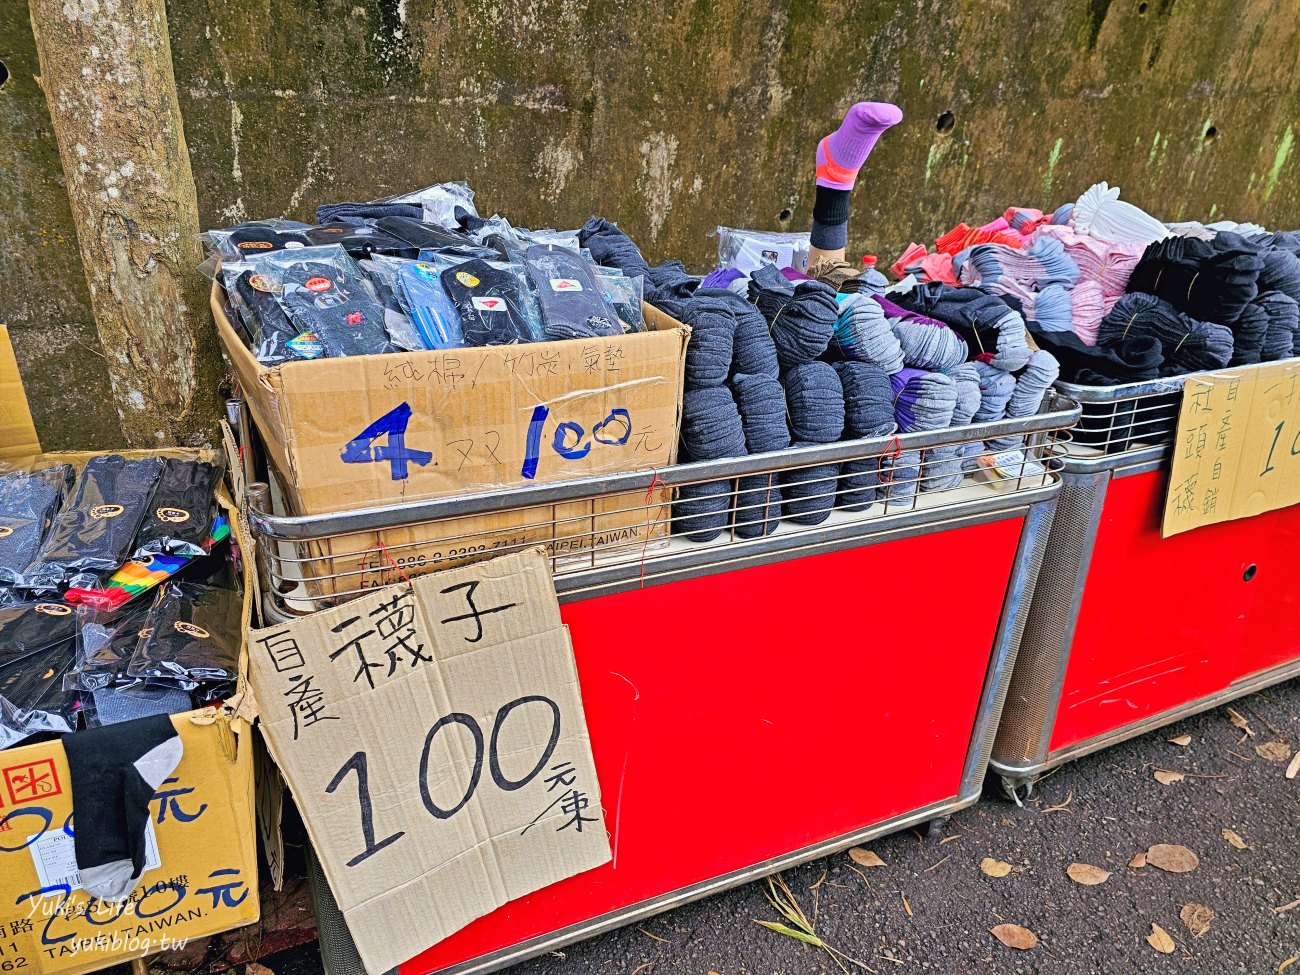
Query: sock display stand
733	689
1129	631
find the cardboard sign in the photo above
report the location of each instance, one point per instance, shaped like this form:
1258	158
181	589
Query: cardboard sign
1238	447
434	739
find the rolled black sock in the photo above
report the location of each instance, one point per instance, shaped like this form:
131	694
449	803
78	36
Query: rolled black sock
830	229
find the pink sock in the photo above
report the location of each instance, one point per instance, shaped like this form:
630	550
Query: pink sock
841	154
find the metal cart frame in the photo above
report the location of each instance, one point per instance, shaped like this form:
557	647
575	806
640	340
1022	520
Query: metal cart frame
289	569
1124	431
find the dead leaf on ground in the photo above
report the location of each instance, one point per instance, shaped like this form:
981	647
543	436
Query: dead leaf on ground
994	868
1273	751
1014	936
253	968
906	906
1159	940
1172	858
1235	840
1240	723
1139	861
1197	917
1087	874
1287	907
1181	740
865	858
1060	806
1287	964
1166	777
1293	769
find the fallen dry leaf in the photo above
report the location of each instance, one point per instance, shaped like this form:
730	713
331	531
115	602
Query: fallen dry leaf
1060	806
994	868
1087	874
1235	840
1240	723
1166	777
906	906
1159	940
1288	963
1197	917
1014	936
1139	861
1287	907
1172	858
1293	769
865	858
1274	751
1181	740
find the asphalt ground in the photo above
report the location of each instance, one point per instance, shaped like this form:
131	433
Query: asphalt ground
931	907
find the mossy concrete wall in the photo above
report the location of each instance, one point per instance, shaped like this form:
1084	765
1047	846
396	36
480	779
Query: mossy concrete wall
670	118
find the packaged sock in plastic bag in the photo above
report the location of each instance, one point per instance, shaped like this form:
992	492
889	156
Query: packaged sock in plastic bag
104	645
179	517
361	241
748	250
624	295
27	628
94	532
428	236
33	700
270	333
440	201
419	291
493	302
192	636
572	300
28	502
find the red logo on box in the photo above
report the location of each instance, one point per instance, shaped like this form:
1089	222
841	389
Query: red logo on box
35	780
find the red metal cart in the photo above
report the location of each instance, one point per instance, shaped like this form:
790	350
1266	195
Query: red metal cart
736	690
1129	631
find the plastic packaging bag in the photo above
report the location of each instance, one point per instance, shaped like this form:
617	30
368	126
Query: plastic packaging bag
95	531
428	236
328	301
572	301
440	201
32	697
28	502
402	332
179	517
748	250
245	241
104	645
419	292
360	241
27	628
192	636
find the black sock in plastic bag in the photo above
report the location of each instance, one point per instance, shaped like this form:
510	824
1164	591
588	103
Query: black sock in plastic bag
30	627
490	303
94	533
105	643
28	502
333	304
270	328
192	636
33	700
573	303
179	518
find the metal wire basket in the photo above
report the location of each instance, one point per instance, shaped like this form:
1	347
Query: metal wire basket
1124	424
615	532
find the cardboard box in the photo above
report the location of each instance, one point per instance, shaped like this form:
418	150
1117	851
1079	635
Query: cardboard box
373	430
500	416
205	849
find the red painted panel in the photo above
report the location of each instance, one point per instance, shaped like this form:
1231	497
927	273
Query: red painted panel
1162	620
749	714
1273	627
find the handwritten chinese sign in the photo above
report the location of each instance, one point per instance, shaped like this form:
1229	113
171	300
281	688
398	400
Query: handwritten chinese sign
1237	451
433	736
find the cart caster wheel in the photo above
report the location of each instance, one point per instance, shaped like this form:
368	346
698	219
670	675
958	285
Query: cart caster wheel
1017	790
934	828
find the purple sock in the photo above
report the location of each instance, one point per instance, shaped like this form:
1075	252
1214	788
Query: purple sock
841	154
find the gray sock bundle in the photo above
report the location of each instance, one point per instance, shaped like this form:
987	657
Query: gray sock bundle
815	401
711	430
996	389
933	347
1027	397
753	353
708	354
761	402
800	319
943	464
868	412
809	492
863	334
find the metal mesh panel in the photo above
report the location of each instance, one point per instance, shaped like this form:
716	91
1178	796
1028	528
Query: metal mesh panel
1034	689
338	952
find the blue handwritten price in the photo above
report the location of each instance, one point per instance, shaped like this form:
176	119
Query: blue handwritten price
362	448
570	439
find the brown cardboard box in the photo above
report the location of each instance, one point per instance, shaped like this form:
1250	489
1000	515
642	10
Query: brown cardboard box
500	416
204	880
373	430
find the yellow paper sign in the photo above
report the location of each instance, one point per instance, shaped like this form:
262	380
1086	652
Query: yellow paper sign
1237	452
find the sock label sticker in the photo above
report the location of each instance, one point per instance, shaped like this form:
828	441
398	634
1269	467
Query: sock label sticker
489	304
566	284
54	854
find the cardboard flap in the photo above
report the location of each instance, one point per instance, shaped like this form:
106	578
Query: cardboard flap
17	431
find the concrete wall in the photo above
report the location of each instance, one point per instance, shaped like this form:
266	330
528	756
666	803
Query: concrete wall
671	118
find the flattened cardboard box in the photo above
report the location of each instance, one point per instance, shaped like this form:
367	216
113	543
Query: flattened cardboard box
201	875
434	739
373	430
